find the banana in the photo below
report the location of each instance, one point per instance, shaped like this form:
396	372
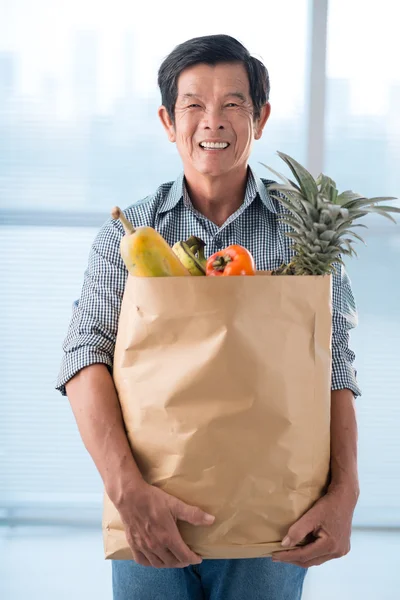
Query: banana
196	246
191	255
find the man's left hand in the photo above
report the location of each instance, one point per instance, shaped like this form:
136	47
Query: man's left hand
329	522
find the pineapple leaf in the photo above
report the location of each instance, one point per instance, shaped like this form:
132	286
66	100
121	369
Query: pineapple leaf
300	220
279	187
295	198
324	244
375	209
286	191
358	237
328	188
356	203
305	179
327	235
325	182
349	222
380	198
293	209
348	196
333	194
311	211
294	236
298	227
288	182
360	215
346	252
348	242
394	209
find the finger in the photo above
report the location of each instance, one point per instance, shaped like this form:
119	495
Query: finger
307	524
140	558
312	563
157	554
169	559
318	561
296	564
146	558
182	552
153	559
174	543
306	553
191	514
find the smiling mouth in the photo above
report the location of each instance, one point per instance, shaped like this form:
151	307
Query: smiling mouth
214	146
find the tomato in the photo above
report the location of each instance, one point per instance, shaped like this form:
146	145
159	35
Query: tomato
233	260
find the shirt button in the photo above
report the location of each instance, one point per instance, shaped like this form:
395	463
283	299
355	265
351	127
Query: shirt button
218	244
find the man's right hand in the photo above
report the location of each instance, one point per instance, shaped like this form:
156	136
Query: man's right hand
149	516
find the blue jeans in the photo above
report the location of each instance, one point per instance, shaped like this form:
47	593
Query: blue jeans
234	579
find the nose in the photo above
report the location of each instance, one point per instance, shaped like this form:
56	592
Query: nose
213	120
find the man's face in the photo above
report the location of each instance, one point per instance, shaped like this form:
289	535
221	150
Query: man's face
214	105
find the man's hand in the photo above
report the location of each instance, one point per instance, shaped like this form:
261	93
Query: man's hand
329	522
149	516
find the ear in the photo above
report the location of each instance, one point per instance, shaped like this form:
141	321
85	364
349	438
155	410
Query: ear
167	123
260	123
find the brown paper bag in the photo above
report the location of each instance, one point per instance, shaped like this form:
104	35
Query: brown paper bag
224	385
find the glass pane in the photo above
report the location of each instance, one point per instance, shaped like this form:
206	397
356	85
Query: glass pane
79	98
363	98
42	458
363	154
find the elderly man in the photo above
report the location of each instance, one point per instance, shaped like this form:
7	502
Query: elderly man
214	105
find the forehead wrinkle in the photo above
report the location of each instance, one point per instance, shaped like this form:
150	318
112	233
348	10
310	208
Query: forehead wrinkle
239	95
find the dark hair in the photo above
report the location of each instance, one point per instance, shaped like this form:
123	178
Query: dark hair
211	50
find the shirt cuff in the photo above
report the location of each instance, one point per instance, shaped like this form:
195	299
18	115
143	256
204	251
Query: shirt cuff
78	359
344	376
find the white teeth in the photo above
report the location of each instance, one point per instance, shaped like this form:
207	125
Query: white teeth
220	145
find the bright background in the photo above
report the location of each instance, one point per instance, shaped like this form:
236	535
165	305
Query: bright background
79	133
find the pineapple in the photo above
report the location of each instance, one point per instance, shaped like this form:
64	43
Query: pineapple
321	219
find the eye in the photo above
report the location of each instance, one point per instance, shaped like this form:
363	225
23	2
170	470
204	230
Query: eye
194	106
230	104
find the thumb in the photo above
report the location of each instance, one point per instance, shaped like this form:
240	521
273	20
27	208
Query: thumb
191	514
299	530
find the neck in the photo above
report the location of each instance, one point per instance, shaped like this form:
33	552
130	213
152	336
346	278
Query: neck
217	198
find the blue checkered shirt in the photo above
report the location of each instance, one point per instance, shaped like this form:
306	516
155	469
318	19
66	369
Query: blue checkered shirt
92	332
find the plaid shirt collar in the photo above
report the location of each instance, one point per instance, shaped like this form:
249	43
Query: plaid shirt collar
255	187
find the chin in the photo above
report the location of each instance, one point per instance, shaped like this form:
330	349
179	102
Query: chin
212	171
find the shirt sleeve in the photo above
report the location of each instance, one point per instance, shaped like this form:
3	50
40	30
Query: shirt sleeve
344	318
93	327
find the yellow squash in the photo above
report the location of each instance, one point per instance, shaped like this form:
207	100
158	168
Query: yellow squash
146	253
